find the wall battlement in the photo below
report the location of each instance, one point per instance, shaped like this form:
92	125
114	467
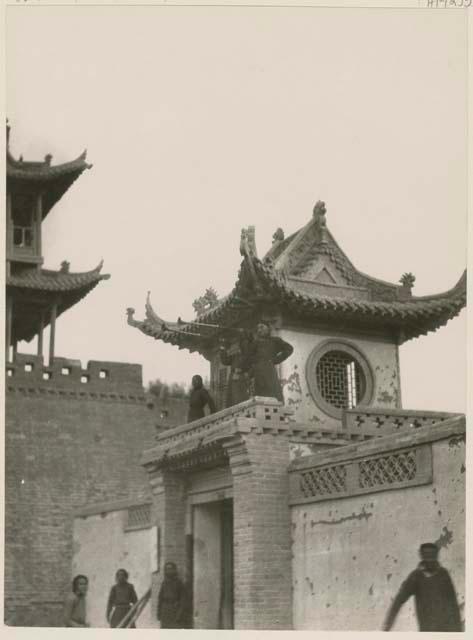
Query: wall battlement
98	379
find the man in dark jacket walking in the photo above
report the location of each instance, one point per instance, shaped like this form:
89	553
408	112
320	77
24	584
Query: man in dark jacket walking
435	598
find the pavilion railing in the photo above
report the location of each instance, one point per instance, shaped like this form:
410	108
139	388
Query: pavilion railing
381	422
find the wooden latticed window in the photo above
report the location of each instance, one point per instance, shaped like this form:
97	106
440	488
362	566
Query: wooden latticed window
219	379
23	210
339	377
138	517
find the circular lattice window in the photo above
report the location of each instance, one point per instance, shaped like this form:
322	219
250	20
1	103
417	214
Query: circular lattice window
339	377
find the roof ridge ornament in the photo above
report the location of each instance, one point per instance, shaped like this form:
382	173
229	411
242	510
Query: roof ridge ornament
319	214
130	319
278	236
407	280
248	243
206	302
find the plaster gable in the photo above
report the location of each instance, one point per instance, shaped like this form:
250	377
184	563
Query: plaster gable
322	270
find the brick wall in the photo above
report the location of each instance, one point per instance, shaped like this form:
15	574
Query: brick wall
169	512
262	537
67	443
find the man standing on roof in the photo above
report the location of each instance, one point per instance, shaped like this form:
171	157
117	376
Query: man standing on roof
435	598
264	353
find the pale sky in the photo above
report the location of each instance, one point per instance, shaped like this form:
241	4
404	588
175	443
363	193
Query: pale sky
200	121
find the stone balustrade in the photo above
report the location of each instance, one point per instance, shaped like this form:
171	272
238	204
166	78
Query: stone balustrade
268	410
380	422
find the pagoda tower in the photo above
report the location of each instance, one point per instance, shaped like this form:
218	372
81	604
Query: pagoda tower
345	326
239	494
36	297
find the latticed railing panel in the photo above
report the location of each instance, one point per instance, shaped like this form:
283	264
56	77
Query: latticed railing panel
377	472
323	482
394	468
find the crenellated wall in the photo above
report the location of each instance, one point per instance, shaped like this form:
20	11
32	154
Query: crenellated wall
117	380
68	443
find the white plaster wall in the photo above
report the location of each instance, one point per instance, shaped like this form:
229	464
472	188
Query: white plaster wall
382	357
207	565
351	555
101	546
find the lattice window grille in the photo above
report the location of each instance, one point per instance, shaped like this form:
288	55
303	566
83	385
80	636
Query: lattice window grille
325	481
340	379
139	517
390	469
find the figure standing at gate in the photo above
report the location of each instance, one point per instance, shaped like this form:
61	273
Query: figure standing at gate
172	600
75	608
122	597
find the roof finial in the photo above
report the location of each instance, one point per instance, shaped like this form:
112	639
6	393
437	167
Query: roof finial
47	158
65	266
248	243
278	236
319	214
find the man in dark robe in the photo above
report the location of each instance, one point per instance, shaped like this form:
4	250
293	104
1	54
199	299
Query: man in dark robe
199	399
435	598
265	352
122	597
172	600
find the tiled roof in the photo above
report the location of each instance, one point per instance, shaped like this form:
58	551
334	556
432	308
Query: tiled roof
49	280
35	291
54	180
410	318
284	279
44	170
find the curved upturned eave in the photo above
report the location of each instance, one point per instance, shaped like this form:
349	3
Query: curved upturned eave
55	180
21	170
409	318
56	281
68	298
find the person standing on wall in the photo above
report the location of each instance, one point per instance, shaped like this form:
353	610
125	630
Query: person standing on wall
75	608
435	598
122	597
198	400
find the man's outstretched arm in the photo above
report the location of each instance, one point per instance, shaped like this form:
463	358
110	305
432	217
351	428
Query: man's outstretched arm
405	592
